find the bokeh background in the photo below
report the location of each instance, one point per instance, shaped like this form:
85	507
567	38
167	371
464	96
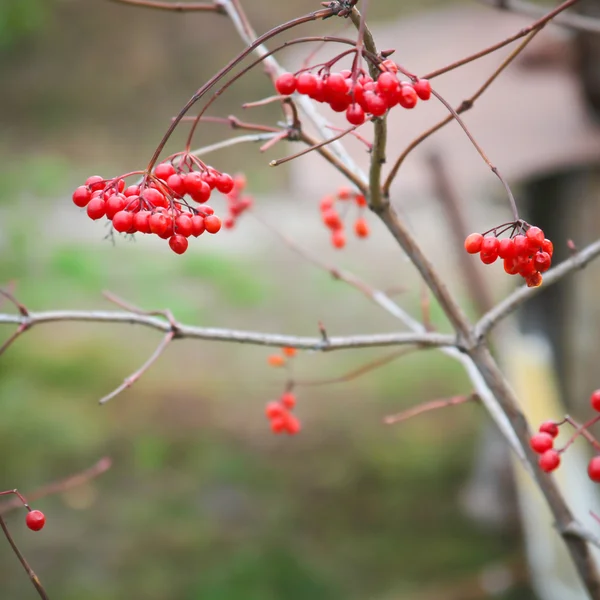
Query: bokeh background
202	501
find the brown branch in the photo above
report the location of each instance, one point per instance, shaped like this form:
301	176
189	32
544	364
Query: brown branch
464	106
427	407
176	6
539	24
569	20
60	486
30	572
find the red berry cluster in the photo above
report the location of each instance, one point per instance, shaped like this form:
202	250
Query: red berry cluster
158	205
279	414
333	221
360	99
528	254
543	442
236	202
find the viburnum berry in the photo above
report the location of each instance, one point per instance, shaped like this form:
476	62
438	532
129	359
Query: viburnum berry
276	360
289	351
594	469
96	208
292	425
338	239
274	409
540	442
595	400
423	88
212	223
123	221
288	400
178	244
306	83
549	461
473	243
285	84
278	424
35	520
81	196
361	228
164	171
549	427
355	114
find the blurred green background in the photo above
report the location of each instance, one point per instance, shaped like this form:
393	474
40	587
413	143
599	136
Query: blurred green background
202	501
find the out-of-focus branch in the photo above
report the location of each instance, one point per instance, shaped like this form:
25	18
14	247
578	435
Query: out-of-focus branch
176	6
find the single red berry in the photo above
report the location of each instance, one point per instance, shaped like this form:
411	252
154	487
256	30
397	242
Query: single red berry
535	237
211	177
176	183
114	204
595	400
141	221
408	97
95	183
360	200
132	190
534	280
542	261
198	226
274	409
473	243
96	208
338	239
540	442
288	400
278	424
336	84
178	244
487	258
549	460
423	88
326	203
159	223
184	225
225	183
306	83
361	228
285	84
289	351
355	115
276	360
375	104
548	246
332	219
549	427
511	266
35	520
154	197
164	171
506	248
292	425
387	83
123	221
212	223
490	245
594	469
81	196
344	192
527	267
521	245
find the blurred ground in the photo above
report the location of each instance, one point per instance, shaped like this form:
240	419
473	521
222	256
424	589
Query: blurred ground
202	502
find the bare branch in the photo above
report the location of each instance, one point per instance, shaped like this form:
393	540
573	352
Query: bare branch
427	407
176	6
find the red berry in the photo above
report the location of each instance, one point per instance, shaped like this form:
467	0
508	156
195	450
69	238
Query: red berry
361	228
154	197
274	409
178	244
534	280
540	442
360	200
159	223
423	88
338	239
387	83
344	192
141	221
355	115
289	351
285	84
183	225
506	248
535	237
542	261
276	360
278	424
81	196
306	83
35	520
375	104
511	266
123	221
594	469
408	97
336	84
548	246
288	400
326	203
95	183
164	171
292	425
473	243
198	226
225	183
549	460
176	183
332	219
212	223
114	204
96	208
521	245
549	427
595	400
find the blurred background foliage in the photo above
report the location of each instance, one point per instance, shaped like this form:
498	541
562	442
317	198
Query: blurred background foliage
202	502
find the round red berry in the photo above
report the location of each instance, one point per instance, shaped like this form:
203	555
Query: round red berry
338	239
292	425
81	196
212	223
540	442
594	469
361	228
473	243
35	520
96	208
549	461
423	88
178	244
535	237
123	221
595	400
549	427
306	83
288	400
164	171
355	115
274	409
285	84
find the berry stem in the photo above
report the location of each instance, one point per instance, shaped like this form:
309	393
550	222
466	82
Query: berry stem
581	430
30	572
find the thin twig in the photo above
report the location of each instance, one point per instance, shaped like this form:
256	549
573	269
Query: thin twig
176	6
30	572
427	407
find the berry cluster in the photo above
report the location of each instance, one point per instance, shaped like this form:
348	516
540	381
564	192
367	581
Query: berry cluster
279	414
159	205
333	220
528	254
236	202
543	442
360	99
